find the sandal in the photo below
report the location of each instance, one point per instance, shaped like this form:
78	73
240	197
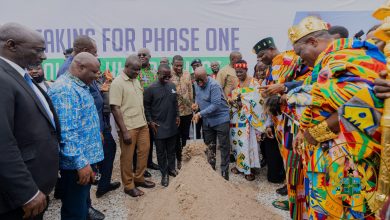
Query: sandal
235	170
250	177
283	205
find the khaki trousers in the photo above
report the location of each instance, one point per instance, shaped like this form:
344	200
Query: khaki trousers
139	137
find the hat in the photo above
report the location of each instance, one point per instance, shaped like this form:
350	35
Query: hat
196	61
264	44
307	26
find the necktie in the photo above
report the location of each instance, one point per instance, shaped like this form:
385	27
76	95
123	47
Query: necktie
31	84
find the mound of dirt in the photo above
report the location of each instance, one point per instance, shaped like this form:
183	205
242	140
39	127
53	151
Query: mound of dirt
199	192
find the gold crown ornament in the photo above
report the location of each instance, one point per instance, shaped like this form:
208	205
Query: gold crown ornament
307	26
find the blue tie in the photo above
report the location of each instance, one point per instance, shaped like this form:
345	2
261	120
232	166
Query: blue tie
31	84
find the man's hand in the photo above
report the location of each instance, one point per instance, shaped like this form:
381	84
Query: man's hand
177	121
309	138
154	126
102	137
382	86
298	141
269	133
274	89
35	206
86	175
196	117
283	99
195	107
126	137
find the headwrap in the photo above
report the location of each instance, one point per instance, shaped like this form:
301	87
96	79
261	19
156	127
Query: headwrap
240	65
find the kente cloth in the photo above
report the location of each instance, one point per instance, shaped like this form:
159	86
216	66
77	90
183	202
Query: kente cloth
284	67
297	99
343	171
244	124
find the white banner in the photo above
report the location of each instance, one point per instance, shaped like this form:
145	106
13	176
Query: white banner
203	29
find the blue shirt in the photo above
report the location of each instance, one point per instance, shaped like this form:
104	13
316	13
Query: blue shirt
65	66
81	143
213	106
98	100
93	88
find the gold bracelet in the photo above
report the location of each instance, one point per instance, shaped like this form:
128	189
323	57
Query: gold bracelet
322	132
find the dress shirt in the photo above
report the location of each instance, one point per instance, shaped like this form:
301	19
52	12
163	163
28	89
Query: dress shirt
81	143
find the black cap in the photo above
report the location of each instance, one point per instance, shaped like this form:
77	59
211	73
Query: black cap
264	44
196	61
68	51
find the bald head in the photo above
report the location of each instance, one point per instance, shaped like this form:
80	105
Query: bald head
234	57
200	76
164	60
84	43
132	66
21	45
86	67
214	67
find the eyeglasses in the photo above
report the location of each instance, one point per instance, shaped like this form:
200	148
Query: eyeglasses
143	55
199	80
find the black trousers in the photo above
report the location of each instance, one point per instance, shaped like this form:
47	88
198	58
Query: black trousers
150	156
184	134
275	167
199	126
210	138
106	166
18	213
165	149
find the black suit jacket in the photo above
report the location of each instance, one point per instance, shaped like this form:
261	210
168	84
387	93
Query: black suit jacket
28	142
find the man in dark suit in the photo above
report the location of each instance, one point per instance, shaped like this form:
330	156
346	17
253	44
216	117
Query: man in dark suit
29	130
162	114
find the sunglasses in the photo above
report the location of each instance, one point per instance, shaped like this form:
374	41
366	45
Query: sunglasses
143	55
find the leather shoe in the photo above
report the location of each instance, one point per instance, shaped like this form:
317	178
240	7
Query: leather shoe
153	166
282	191
94	214
135	192
179	165
111	187
147	174
165	180
147	184
225	175
173	173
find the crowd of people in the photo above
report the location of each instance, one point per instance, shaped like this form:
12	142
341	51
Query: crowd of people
310	114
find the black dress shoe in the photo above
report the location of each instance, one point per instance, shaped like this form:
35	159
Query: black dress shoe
225	175
165	180
179	165
94	214
153	166
173	173
282	191
111	187
147	184
147	174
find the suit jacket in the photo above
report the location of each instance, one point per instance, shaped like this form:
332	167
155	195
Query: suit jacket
29	156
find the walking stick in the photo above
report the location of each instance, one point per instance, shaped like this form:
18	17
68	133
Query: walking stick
383	184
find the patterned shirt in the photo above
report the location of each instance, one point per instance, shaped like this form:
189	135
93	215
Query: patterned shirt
184	90
147	76
81	143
